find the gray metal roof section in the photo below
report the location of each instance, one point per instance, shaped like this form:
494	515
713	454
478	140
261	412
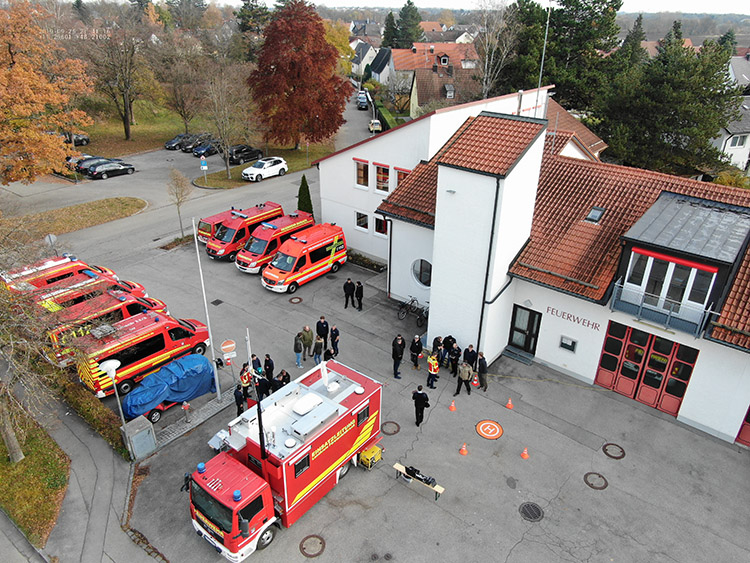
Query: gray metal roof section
381	60
703	228
742	125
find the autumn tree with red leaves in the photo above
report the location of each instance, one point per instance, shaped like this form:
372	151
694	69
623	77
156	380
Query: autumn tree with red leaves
37	85
295	85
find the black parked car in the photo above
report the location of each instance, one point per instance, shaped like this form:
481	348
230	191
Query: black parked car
107	169
207	149
175	144
240	154
197	140
82	166
78	139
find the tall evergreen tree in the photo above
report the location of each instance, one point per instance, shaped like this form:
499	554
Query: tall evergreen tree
390	31
409	29
663	114
304	201
522	72
252	19
631	53
729	41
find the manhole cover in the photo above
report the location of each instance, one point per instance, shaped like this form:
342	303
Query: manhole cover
389	428
331	277
613	450
216	302
595	481
295	300
489	429
531	511
312	546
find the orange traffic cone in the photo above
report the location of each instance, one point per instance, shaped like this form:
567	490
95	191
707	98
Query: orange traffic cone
463	450
509	404
453	405
525	453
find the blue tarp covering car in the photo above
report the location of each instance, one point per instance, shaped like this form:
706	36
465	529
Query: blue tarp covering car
181	380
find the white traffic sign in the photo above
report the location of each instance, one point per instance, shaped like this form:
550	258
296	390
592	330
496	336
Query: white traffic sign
228	355
228	346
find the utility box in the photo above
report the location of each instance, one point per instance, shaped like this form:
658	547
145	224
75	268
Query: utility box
140	437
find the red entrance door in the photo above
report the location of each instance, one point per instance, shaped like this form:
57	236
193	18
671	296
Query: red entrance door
652	370
744	436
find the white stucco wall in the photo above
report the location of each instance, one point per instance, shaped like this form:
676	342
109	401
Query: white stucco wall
461	245
737	155
415	243
574	151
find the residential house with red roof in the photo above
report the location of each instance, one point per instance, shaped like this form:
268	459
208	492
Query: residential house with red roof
634	281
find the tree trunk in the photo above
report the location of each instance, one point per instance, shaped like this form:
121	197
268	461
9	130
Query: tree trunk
185	121
126	116
226	163
179	216
132	115
8	434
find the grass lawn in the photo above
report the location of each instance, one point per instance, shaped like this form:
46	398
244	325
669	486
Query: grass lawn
35	226
154	126
32	491
296	159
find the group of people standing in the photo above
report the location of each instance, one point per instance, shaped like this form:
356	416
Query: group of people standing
265	381
315	345
447	353
352	291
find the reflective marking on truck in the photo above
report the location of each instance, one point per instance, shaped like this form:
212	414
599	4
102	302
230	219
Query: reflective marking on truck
364	435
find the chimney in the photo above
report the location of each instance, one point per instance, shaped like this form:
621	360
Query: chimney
432	48
434	68
413	49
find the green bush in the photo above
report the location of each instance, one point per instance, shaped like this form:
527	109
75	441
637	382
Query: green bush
386	117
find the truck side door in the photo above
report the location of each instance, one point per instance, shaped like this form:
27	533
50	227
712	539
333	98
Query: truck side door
256	514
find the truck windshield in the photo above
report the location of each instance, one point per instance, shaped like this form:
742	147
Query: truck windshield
224	234
211	508
283	262
204	227
256	245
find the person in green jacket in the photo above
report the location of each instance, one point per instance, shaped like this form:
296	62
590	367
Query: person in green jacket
307	342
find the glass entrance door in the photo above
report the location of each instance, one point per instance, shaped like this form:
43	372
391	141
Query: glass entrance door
524	330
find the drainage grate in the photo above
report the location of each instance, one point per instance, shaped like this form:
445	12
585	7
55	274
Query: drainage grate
531	511
389	428
312	546
331	277
595	481
613	450
216	302
295	300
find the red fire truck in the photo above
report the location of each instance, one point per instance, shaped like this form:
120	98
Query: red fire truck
208	226
49	271
233	233
274	468
261	247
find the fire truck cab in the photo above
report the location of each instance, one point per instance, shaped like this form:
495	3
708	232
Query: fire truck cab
305	256
208	225
277	463
49	271
81	287
266	239
233	233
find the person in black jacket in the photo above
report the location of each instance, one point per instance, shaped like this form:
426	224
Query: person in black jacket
455	355
416	349
268	367
359	293
348	292
470	357
448	342
482	370
421	401
397	354
321	329
328	354
239	399
262	387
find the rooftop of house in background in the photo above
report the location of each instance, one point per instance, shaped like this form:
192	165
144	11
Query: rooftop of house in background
742	125
448	36
739	67
562	120
369	39
456	86
425	55
431	26
381	60
652	47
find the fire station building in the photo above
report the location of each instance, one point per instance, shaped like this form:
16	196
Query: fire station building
525	244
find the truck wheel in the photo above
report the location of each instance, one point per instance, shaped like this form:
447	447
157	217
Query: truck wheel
125	387
199	349
335	267
232	256
154	416
266	537
292	287
345	469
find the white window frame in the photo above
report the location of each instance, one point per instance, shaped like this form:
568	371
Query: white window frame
378	166
738	141
375	230
357	185
356	221
686	306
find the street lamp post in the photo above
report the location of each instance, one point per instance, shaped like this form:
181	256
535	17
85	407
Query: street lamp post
110	368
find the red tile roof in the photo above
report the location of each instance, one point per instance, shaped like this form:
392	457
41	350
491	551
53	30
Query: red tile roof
431	26
560	119
424	55
568	253
493	143
431	85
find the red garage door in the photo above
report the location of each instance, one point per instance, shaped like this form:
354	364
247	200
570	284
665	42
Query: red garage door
744	436
648	368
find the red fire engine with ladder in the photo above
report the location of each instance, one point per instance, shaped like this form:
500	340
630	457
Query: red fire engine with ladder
274	468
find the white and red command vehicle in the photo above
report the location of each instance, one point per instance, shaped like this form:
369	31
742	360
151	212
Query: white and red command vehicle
266	239
233	233
312	429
